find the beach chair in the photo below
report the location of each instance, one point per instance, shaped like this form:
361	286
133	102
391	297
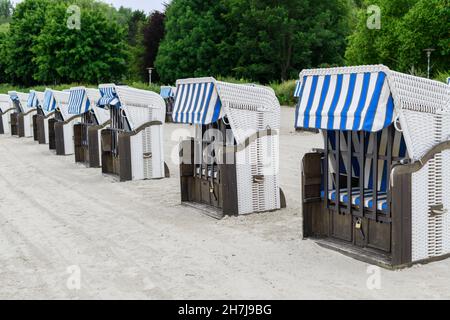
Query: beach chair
379	191
61	126
45	119
168	94
33	103
132	147
87	132
22	117
230	166
6	109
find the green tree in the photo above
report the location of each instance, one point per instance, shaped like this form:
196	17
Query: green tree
274	40
27	22
94	53
426	25
6	10
262	40
153	35
194	30
377	45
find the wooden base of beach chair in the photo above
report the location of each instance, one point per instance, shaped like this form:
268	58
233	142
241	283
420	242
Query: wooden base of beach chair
118	157
386	243
59	139
87	148
51	134
40	129
21	125
35	129
2	130
115	163
14	124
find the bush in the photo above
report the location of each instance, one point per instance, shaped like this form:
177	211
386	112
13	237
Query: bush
285	92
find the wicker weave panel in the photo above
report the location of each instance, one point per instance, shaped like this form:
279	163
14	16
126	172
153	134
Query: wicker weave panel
420	195
446	202
249	108
259	159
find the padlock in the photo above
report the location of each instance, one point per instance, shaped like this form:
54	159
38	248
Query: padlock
358	224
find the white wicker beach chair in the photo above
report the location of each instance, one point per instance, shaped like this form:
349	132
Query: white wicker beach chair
132	147
87	136
61	126
6	109
380	190
231	165
22	118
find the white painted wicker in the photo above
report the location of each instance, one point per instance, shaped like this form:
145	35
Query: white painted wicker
250	109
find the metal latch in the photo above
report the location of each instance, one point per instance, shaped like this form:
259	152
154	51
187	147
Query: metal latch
438	210
258	179
148	155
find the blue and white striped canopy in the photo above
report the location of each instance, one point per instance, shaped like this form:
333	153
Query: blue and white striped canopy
167	92
197	102
33	101
49	101
346	101
109	97
78	101
298	87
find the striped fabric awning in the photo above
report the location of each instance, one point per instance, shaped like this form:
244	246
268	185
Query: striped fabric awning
167	92
109	97
49	101
359	101
298	87
197	102
33	101
78	101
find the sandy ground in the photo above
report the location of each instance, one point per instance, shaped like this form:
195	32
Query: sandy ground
135	240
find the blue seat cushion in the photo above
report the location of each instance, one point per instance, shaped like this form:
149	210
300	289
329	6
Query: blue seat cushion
356	198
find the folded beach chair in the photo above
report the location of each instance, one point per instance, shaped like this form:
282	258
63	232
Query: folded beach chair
6	109
22	118
33	103
132	147
168	94
45	120
231	165
380	189
61	126
45	111
87	132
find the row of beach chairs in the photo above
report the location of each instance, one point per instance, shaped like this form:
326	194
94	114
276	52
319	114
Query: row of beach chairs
378	191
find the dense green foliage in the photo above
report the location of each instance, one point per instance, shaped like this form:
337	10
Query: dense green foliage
265	41
261	40
407	28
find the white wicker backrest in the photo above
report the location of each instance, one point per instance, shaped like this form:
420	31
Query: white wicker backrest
249	108
23	99
41	97
141	106
62	103
424	106
5	102
102	114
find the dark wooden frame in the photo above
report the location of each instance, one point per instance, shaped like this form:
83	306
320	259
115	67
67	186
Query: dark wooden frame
215	195
59	135
86	134
116	150
319	214
14	123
